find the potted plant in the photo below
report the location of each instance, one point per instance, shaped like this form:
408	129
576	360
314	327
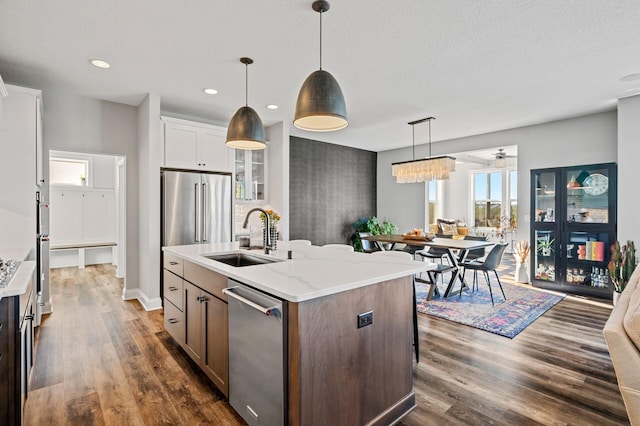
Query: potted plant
373	226
621	265
545	247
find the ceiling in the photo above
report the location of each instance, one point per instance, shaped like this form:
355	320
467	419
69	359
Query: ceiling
477	66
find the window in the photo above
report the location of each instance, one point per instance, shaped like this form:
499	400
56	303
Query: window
495	195
432	200
68	171
513	197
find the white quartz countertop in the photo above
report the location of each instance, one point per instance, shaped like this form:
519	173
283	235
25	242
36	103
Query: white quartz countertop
311	273
14	254
20	281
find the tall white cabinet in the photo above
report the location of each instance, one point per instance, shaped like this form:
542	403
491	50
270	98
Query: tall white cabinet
19	136
82	216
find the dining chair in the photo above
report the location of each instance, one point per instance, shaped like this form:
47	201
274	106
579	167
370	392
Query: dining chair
367	246
435	252
490	263
407	256
475	254
299	242
394	253
341	247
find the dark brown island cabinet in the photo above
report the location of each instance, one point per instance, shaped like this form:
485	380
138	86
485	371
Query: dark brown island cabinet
334	371
573	225
16	354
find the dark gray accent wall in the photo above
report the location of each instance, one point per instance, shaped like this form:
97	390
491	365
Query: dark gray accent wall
330	187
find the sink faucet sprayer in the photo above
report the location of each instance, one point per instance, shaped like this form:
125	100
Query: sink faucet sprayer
268	242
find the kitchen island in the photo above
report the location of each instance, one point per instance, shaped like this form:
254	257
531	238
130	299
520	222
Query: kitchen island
347	327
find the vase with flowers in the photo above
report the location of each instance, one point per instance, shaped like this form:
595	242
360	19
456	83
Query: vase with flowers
274	218
521	254
621	265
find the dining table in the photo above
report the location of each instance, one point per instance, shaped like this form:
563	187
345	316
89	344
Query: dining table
456	250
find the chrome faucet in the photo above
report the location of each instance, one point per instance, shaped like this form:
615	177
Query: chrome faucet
267	242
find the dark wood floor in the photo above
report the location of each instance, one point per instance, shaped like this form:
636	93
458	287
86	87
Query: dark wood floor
101	360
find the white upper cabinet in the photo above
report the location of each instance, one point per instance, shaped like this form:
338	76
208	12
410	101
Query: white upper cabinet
196	146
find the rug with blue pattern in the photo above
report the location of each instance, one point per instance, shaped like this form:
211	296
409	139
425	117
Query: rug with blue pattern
507	318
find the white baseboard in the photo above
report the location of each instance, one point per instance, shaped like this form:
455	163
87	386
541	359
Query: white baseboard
47	307
149	304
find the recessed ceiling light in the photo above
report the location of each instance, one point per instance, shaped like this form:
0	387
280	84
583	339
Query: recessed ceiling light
100	63
631	77
210	91
272	106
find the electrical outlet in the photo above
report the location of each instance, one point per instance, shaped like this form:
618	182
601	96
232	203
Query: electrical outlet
365	318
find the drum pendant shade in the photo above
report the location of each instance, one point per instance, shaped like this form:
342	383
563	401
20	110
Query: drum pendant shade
320	106
245	129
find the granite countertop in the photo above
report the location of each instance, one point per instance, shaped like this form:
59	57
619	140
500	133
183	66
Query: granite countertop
311	273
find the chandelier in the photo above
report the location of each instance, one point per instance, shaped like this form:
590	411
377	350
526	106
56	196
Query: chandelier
426	169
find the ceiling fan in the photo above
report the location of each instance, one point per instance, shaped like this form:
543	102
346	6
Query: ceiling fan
501	157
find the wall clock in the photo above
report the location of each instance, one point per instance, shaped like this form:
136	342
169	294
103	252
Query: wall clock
596	184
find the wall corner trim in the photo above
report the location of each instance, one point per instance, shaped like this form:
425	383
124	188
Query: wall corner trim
149	304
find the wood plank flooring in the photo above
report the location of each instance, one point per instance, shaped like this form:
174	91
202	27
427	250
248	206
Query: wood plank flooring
101	360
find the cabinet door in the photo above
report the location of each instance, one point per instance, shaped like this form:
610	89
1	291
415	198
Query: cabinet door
65	216
250	168
216	356
193	315
213	154
98	216
180	146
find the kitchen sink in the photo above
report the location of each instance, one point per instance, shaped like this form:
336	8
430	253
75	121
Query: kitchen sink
240	259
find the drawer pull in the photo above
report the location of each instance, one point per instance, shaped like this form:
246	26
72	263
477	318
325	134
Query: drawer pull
173	263
172	320
172	288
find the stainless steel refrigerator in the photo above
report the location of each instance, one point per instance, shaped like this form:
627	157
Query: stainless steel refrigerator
196	208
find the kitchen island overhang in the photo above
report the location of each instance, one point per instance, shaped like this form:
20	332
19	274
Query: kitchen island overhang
337	370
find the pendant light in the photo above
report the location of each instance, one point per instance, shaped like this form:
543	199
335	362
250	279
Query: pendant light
426	169
320	106
245	128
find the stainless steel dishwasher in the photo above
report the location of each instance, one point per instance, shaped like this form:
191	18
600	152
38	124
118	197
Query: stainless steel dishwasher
257	355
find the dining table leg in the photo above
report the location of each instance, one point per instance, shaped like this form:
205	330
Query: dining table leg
455	273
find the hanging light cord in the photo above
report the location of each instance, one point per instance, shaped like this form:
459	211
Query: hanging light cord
429	138
321	38
413	144
246	84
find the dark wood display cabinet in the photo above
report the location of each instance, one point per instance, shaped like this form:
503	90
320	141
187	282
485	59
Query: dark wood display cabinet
573	225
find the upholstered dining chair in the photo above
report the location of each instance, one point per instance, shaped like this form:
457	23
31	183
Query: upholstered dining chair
397	254
299	243
341	247
367	246
435	252
394	253
490	263
478	253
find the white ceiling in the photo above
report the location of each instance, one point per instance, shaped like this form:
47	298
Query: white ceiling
477	66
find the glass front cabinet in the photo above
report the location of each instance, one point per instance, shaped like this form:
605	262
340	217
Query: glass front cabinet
573	225
250	175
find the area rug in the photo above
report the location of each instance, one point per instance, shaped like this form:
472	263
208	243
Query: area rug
507	318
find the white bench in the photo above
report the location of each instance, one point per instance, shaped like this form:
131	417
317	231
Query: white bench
82	247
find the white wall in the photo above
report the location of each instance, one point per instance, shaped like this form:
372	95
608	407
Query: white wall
628	155
150	158
278	170
81	124
582	140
